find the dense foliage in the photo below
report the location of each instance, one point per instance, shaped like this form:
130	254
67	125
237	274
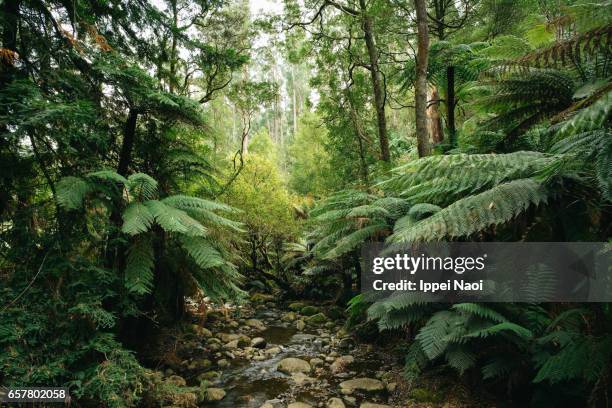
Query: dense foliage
152	153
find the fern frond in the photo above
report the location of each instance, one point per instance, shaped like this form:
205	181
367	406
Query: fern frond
174	220
137	218
71	192
475	213
139	266
142	186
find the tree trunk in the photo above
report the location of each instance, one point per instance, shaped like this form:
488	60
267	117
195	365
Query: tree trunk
129	132
450	105
422	134
435	121
377	83
294	97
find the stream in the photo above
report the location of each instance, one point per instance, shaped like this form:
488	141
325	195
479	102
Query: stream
264	376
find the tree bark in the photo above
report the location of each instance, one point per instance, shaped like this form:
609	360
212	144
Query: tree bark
377	83
129	133
450	105
422	133
435	121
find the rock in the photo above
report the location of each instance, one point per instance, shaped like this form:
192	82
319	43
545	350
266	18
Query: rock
176	380
350	400
293	365
232	345
214	394
256	324
425	395
273	403
227	337
317	319
209	376
261	297
301	378
391	387
296	306
299	405
244	340
203	364
289	317
223	363
361	384
335	403
372	405
315	362
258	342
273	351
300	325
340	364
330	325
309	310
201	331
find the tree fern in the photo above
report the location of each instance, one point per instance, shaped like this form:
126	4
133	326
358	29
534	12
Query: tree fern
475	213
137	218
71	192
139	266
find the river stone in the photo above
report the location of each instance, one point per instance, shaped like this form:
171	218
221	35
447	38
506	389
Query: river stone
317	319
256	324
227	337
223	363
296	306
361	384
300	325
293	365
273	403
315	362
273	351
258	342
232	345
176	380
244	340
215	394
289	317
391	386
299	405
341	364
261	297
309	310
301	378
335	403
372	405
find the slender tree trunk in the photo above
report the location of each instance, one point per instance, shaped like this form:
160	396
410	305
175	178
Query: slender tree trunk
422	134
173	47
129	133
450	105
377	83
435	121
294	97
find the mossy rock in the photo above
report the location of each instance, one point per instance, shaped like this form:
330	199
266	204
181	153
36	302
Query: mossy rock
296	306
309	310
261	297
317	319
425	395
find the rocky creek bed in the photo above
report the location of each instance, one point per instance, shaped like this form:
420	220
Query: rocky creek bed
268	355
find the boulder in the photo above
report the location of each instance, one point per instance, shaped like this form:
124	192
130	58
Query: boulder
258	342
373	405
289	317
335	403
214	394
293	365
296	306
231	345
316	319
315	362
301	378
256	324
340	364
299	405
361	384
309	310
176	380
261	297
300	325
